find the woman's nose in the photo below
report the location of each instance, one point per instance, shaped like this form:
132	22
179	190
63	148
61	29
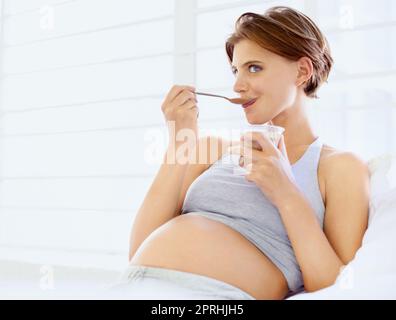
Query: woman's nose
240	85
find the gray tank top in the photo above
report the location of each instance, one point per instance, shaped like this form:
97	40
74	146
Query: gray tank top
221	195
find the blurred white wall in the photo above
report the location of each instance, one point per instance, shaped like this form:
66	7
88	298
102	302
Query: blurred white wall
82	82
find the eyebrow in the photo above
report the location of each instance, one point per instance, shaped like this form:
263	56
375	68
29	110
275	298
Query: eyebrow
248	62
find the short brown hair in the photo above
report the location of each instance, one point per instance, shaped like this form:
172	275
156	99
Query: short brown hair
290	34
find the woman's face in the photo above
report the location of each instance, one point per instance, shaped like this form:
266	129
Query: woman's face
271	79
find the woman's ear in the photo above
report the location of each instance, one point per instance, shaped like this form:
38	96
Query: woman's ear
305	70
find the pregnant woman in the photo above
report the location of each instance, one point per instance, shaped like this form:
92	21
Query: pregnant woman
292	222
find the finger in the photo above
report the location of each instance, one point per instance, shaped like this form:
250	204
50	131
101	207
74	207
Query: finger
246	153
252	155
256	155
183	97
241	161
251	144
189	104
245	150
282	146
264	142
175	91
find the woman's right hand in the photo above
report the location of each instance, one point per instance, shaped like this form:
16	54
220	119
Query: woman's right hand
180	110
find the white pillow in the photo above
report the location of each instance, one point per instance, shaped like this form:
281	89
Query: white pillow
380	183
372	272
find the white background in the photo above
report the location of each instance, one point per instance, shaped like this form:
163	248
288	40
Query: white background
81	85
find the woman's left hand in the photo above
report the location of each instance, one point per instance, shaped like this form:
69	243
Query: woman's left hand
269	168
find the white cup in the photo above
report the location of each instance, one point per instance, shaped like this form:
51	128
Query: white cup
273	133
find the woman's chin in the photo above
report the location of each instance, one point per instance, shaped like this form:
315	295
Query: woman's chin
255	120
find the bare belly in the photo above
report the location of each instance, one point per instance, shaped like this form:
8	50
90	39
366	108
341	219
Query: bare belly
202	246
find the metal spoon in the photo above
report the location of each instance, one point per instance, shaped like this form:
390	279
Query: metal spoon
232	100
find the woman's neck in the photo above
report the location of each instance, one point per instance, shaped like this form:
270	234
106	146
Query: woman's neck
298	131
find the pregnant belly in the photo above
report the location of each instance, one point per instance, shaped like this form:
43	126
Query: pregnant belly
202	246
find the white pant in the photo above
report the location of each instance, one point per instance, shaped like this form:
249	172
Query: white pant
153	283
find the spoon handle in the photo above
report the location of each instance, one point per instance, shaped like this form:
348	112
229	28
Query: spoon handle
209	94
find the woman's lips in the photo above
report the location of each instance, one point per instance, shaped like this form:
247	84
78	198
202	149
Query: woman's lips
251	102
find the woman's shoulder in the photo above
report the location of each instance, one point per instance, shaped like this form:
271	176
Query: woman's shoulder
335	165
329	152
332	156
335	160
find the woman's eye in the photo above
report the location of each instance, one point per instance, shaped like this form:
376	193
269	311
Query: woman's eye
253	66
235	71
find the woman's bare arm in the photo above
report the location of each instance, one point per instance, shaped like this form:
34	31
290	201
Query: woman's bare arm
165	197
322	254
